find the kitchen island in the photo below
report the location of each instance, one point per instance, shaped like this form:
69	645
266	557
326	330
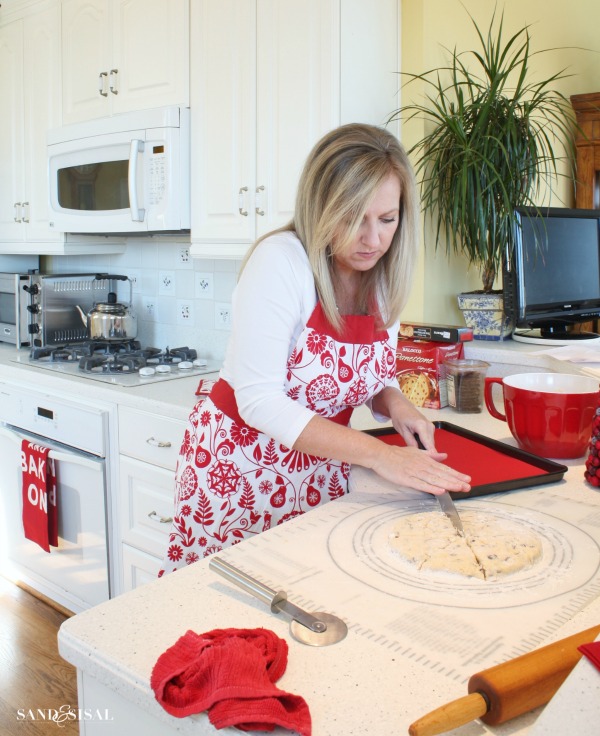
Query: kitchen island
410	648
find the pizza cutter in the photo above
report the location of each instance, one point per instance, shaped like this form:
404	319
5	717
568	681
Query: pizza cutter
318	629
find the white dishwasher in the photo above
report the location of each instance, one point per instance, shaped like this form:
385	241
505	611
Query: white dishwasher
76	572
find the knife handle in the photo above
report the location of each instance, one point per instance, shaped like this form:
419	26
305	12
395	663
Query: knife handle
246	582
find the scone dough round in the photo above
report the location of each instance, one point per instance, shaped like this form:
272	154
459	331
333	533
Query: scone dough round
491	547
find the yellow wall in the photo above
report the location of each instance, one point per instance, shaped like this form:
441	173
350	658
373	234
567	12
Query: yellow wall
428	26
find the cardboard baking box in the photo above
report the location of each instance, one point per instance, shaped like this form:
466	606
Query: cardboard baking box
421	373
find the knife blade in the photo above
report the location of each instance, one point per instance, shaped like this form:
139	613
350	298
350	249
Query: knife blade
448	507
446	502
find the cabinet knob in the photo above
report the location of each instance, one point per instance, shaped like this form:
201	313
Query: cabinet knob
102	82
241	194
157	443
259	210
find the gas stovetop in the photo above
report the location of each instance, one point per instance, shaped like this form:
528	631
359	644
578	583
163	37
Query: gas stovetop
124	363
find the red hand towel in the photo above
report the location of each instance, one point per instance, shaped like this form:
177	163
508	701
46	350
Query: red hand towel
592	652
230	673
40	502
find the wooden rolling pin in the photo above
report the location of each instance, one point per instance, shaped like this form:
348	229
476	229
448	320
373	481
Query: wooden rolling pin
509	689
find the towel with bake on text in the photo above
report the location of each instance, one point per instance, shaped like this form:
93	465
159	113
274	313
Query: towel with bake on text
231	674
592	652
40	502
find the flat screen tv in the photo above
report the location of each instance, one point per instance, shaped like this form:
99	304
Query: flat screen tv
552	282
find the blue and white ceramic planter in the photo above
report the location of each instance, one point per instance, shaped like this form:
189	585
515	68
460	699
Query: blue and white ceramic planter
484	314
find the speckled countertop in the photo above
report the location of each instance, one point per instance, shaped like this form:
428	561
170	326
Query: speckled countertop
358	686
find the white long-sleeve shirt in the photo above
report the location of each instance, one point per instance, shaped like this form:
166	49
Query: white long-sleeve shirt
272	303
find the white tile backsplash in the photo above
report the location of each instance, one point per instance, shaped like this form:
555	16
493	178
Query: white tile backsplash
159	306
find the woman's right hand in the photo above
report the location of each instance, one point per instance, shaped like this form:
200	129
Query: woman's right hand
420	470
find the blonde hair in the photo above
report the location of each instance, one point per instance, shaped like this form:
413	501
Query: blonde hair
340	178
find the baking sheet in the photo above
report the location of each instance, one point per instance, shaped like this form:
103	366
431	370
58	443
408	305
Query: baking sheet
494	467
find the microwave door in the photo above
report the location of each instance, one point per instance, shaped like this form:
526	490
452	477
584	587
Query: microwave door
96	185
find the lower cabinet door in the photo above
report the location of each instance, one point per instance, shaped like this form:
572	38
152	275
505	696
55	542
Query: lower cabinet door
139	567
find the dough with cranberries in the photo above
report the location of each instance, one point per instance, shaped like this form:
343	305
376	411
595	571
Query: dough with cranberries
490	548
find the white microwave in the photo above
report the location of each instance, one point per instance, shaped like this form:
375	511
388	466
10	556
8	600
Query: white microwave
124	174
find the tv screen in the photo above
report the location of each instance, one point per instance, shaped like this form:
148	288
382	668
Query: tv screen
553	280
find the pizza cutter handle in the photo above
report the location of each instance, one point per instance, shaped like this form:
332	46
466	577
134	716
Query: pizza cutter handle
264	594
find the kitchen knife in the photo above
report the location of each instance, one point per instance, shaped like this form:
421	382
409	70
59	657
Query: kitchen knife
446	502
448	507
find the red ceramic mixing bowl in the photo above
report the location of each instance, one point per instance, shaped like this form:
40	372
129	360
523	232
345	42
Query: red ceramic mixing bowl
549	414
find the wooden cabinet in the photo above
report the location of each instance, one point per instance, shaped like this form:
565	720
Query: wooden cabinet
148	450
587	141
30	91
122	55
268	79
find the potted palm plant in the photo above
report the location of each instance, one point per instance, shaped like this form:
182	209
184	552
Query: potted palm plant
490	145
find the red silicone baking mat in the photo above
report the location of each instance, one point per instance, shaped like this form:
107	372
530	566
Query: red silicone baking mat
492	465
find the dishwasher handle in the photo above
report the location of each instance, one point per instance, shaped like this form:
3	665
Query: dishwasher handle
57	455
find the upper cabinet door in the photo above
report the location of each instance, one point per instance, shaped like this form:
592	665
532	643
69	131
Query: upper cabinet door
150	56
41	85
298	100
85	59
11	130
223	102
123	55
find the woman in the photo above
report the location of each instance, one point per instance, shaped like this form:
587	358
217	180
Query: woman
315	324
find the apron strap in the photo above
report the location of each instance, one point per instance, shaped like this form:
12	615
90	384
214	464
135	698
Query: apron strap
223	397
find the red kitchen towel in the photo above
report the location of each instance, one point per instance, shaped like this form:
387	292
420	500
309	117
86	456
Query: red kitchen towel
229	673
40	502
592	652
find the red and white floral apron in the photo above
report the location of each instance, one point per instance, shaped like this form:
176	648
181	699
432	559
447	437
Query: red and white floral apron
233	482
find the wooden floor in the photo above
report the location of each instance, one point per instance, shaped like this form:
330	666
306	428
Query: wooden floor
33	676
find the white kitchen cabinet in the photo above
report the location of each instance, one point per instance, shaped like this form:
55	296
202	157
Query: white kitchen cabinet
122	55
148	450
268	78
30	91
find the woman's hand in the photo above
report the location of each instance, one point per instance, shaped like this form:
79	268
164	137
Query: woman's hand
420	469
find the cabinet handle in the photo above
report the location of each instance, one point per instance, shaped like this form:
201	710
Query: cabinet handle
259	211
241	209
113	81
25	209
16	218
157	443
102	80
161	519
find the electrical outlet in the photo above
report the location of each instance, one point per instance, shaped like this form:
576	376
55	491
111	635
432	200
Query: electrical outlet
185	312
184	254
166	283
205	286
222	316
149	309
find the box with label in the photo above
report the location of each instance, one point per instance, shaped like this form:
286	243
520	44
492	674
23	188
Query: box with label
421	373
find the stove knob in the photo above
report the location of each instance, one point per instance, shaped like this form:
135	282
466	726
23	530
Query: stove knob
161	368
33	329
34	308
147	371
33	289
185	365
200	363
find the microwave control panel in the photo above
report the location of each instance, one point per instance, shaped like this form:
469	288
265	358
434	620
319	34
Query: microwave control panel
157	174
